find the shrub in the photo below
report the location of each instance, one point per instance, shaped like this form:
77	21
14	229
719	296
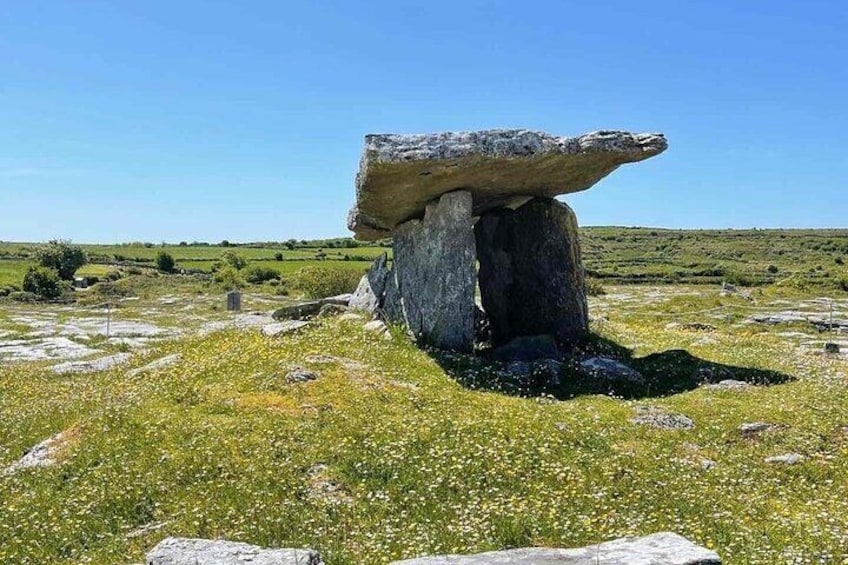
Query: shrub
842	284
43	283
594	287
321	282
229	277
257	274
23	296
62	257
234	260
165	262
772	269
278	256
839	261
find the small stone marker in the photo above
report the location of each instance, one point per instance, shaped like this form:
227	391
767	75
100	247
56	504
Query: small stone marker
234	301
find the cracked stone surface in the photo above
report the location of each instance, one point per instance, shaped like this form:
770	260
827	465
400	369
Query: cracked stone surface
185	551
400	174
664	548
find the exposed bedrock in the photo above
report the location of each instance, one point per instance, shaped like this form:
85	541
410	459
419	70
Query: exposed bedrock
400	174
531	274
430	288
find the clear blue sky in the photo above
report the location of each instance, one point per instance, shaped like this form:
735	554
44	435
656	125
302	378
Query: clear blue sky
205	120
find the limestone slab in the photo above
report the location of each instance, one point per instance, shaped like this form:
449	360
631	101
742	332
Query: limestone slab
400	174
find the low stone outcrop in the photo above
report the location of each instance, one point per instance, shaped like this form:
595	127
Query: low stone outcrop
368	296
309	308
658	549
186	551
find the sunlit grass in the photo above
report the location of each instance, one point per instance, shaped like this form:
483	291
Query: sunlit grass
221	445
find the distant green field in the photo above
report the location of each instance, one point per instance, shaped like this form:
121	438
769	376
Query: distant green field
614	254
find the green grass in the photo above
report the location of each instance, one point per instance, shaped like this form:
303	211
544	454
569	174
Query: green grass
221	446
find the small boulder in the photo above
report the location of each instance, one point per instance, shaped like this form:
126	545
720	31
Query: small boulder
611	370
527	348
44	454
185	551
749	429
786	459
729	384
330	310
662	419
368	296
279	328
376	326
301	375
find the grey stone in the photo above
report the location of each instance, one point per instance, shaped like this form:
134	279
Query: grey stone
298	310
368	296
400	174
753	428
308	308
301	375
93	365
729	384
527	348
611	370
664	548
158	364
786	459
43	454
431	286
285	327
662	419
531	275
185	551
330	310
234	301
376	326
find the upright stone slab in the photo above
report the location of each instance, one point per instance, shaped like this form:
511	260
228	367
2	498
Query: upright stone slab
368	295
531	274
431	286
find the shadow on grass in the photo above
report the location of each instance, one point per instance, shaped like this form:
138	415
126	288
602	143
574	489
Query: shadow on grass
670	372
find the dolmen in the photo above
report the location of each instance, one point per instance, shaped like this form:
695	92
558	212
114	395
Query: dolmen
452	200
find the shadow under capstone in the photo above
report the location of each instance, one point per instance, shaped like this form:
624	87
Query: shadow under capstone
663	374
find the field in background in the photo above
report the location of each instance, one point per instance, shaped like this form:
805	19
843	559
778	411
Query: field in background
614	255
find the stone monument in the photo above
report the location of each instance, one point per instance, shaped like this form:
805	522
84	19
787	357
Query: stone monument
449	200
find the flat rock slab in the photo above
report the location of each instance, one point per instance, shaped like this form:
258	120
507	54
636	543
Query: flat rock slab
42	455
400	174
157	365
185	551
662	419
93	365
279	328
658	549
43	349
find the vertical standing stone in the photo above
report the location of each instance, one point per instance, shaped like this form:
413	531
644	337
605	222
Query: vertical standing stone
431	286
531	275
234	301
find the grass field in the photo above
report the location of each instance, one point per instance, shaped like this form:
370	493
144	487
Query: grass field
403	453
